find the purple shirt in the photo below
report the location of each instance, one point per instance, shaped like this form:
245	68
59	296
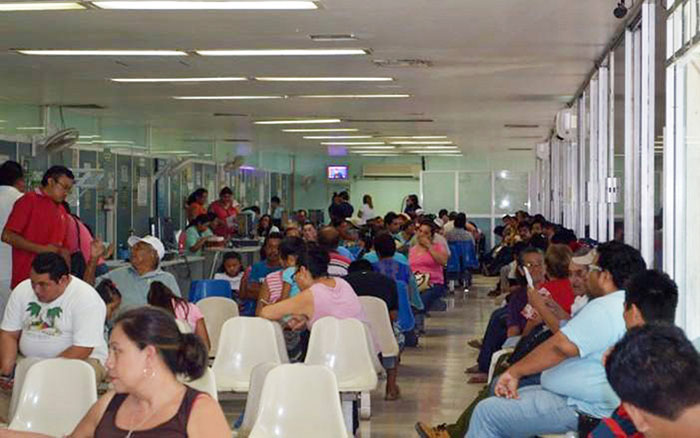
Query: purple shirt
516	303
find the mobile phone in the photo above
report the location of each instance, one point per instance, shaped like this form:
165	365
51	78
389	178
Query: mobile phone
528	277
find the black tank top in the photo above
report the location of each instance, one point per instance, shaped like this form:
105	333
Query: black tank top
176	427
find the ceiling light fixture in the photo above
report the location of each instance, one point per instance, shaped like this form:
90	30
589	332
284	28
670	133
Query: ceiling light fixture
422	142
431	147
205	5
295	122
354	96
350	143
284	52
333	37
322	130
226	97
324	79
381	155
157	80
30	128
40	6
370	149
335	137
80	52
417	137
431	151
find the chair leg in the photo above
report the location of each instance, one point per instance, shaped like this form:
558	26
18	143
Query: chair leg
346	402
365	405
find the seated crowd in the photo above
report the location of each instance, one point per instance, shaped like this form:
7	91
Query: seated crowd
589	328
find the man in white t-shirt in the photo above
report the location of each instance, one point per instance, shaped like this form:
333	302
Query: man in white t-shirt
51	314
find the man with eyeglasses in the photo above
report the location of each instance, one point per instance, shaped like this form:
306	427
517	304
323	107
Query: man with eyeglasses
574	390
38	223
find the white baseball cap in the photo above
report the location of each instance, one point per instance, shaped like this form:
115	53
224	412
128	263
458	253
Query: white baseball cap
153	241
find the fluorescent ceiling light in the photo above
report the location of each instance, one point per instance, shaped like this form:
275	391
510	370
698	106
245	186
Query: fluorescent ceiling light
138	80
323	79
206	5
430	147
322	130
89	136
226	97
171	152
381	155
30	128
284	52
417	137
335	137
295	122
421	142
3	121
430	151
40	6
113	142
60	52
371	148
358	143
354	96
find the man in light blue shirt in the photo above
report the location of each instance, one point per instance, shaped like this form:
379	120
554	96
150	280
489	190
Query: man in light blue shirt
134	281
574	383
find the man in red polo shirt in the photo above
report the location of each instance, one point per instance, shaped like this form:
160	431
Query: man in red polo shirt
38	221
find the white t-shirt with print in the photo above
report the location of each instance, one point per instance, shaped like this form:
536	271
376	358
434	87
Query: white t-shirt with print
76	318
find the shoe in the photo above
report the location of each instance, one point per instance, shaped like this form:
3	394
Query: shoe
494	293
478	378
475	343
472	370
425	431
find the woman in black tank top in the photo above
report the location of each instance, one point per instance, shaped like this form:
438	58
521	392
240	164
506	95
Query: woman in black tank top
146	352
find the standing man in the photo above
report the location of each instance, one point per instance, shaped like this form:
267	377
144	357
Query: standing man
38	223
12	187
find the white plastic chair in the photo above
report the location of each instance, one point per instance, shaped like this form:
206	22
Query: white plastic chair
341	345
252	402
206	383
299	401
494	360
55	396
216	311
378	316
245	342
183	326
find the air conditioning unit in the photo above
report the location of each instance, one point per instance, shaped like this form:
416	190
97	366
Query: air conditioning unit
566	122
391	170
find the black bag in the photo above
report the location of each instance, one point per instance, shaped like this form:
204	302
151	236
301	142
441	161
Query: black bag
529	342
77	261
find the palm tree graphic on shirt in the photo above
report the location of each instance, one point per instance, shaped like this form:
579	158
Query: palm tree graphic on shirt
46	322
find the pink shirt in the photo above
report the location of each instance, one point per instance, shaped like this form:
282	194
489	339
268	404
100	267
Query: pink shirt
421	261
340	302
188	312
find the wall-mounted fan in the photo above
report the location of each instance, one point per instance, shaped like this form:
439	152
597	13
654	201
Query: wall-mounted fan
234	164
59	141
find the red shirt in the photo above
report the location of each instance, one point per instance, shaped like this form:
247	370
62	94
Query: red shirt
37	218
223	213
562	293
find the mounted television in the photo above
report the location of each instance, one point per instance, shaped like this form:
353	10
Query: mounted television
337	173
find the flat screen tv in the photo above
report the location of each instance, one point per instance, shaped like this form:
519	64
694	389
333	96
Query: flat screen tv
337	173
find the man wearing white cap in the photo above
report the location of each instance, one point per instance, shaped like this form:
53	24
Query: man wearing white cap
134	281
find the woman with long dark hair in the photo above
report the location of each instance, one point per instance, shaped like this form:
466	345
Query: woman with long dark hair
196	203
159	295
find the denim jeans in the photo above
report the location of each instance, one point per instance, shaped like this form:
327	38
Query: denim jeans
495	336
536	412
431	295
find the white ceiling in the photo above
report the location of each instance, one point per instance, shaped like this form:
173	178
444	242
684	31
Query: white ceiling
494	62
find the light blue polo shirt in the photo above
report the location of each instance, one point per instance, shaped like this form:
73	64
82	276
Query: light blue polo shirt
597	327
134	287
372	257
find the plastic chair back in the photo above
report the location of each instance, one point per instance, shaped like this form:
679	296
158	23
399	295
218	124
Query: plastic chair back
206	383
183	326
342	346
299	401
200	289
252	402
55	396
216	311
244	343
471	260
380	323
407	320
454	263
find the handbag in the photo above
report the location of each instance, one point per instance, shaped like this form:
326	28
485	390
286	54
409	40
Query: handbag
422	280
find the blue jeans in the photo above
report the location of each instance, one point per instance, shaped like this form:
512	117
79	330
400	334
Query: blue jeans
495	336
536	412
431	295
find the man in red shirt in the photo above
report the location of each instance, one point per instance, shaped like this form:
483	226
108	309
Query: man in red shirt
226	212
38	221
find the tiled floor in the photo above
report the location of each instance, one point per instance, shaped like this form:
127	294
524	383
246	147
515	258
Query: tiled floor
431	377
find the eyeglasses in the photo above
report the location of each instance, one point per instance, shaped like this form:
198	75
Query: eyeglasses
594	268
533	265
65	188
